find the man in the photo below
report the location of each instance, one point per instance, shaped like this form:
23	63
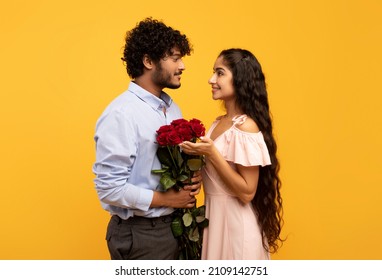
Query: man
139	227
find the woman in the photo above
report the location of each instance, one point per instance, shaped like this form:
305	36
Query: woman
242	186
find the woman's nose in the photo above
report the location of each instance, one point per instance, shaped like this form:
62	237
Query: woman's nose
212	80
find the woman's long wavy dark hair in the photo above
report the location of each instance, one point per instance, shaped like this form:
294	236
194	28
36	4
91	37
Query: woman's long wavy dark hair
252	99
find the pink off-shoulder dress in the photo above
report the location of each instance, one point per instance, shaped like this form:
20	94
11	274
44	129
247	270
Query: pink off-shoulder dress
233	232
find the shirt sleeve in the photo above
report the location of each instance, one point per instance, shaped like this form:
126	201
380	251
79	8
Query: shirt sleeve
116	150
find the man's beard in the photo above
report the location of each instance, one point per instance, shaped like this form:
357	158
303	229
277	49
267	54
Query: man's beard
163	78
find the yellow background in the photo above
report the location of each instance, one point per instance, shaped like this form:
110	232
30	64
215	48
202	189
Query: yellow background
60	66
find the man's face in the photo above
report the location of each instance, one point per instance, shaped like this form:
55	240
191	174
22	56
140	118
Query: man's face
168	70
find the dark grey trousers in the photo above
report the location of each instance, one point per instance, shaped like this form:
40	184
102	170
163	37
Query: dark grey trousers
141	238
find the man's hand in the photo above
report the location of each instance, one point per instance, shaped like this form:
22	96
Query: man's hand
196	184
184	198
173	198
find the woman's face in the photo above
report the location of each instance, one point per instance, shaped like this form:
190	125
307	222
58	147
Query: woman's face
221	81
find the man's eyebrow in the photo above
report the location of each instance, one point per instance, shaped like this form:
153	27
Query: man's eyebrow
174	54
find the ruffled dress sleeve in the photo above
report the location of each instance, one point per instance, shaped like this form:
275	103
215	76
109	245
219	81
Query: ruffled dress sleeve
245	148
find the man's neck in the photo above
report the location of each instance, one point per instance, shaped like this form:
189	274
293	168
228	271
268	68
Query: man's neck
146	84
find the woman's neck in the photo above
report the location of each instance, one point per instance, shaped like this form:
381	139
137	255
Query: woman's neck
232	110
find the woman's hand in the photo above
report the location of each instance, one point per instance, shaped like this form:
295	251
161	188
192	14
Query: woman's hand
205	147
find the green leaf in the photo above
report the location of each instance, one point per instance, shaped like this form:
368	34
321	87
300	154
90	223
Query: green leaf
187	219
178	156
182	178
159	171
200	219
176	227
167	181
174	173
195	164
164	156
202	210
204	224
195	212
194	235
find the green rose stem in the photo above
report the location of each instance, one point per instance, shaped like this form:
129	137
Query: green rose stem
172	158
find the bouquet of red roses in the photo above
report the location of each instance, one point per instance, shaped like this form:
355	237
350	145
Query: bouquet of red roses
177	169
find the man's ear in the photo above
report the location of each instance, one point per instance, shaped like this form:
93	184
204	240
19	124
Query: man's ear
147	62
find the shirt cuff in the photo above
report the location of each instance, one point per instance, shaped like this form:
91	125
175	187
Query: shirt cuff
144	200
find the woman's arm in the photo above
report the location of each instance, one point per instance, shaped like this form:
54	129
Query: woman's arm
243	182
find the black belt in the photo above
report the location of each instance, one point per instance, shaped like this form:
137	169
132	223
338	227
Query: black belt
138	220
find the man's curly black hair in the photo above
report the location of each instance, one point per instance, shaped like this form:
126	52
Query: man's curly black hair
155	39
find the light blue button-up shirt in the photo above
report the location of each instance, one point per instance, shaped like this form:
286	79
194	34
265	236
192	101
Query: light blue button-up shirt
126	152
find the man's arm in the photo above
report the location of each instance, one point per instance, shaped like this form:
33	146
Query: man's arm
115	156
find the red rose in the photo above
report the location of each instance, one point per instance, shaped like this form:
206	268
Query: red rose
178	122
185	131
164	129
162	134
162	139
197	127
173	138
178	131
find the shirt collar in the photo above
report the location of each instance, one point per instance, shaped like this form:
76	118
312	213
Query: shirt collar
149	98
